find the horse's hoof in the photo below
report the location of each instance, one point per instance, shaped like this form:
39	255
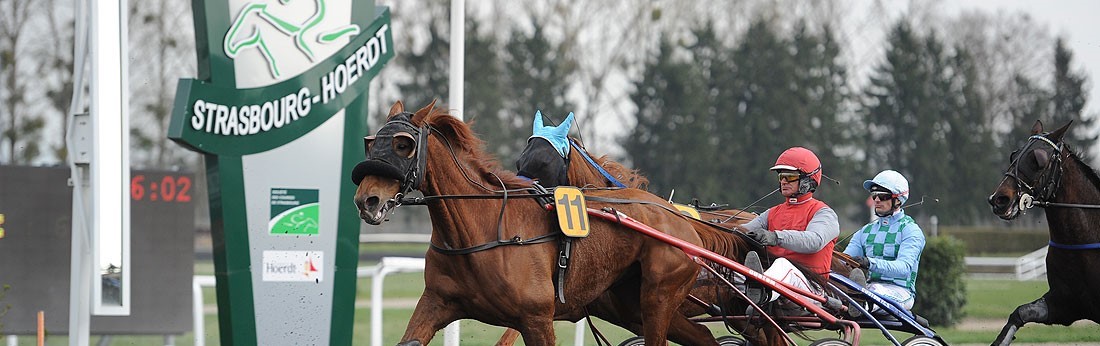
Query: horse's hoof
410	343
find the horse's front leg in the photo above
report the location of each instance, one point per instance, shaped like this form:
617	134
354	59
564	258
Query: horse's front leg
665	285
509	337
538	331
432	313
1036	311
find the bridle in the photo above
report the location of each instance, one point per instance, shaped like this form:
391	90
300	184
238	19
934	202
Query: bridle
388	163
1047	184
1049	179
410	171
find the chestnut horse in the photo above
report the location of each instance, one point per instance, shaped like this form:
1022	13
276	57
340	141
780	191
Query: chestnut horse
1044	172
541	161
476	206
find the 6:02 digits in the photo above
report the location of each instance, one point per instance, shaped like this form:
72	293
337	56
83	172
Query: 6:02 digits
168	189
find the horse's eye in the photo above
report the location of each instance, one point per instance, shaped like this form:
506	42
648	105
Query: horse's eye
1012	157
368	142
403	146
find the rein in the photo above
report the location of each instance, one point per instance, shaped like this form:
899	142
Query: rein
599	168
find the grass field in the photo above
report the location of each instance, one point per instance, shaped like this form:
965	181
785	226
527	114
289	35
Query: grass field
989	303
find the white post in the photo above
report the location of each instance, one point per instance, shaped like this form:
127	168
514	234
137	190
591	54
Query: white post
457	73
935	221
198	316
376	305
110	167
578	335
458	56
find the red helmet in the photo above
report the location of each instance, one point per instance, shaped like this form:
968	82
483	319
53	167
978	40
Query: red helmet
802	160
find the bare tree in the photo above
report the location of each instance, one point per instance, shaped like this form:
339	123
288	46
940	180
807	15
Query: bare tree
56	69
1004	44
20	127
161	50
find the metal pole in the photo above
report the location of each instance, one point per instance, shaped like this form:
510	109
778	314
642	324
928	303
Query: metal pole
458	57
79	287
457	73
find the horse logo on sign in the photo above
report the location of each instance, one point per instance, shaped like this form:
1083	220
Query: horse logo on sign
238	39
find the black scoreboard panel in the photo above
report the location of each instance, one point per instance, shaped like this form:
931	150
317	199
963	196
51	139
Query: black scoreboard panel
35	252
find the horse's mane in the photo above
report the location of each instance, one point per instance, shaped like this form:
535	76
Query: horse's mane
629	177
1089	172
721	242
632	178
464	142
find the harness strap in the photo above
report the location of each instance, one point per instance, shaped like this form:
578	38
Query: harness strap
1092	246
598	167
565	253
514	241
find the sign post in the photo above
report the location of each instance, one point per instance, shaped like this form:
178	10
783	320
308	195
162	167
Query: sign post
279	109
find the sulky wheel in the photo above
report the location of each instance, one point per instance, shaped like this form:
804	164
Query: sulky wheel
921	340
635	341
730	340
830	342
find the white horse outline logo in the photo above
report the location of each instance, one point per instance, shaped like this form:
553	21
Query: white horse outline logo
233	43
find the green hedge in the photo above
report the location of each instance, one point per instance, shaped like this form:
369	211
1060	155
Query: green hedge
991	241
941	291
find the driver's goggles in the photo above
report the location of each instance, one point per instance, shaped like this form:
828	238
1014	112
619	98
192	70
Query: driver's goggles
882	196
789	177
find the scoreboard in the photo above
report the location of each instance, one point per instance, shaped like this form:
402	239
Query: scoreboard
35	252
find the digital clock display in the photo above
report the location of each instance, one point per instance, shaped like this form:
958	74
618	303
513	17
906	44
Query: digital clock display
160	187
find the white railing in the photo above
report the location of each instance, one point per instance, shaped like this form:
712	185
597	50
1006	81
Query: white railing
1027	267
377	273
395	238
1032	265
390	265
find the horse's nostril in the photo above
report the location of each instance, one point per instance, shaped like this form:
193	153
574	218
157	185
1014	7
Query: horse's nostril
371	202
998	200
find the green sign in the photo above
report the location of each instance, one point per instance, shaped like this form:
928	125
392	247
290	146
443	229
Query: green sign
279	109
294	211
229	121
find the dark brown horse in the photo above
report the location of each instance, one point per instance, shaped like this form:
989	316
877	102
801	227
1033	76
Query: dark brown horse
511	283
1044	172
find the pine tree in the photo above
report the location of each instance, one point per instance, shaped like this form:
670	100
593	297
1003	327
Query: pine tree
537	77
429	70
1069	100
485	94
927	120
667	96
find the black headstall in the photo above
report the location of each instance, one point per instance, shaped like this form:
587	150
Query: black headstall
396	151
1043	187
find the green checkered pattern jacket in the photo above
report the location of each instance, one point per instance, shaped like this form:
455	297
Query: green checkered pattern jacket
892	245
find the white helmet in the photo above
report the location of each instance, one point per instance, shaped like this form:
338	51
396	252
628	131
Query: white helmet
891	180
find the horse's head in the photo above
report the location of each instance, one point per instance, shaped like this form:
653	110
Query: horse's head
541	161
1033	173
546	157
394	165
